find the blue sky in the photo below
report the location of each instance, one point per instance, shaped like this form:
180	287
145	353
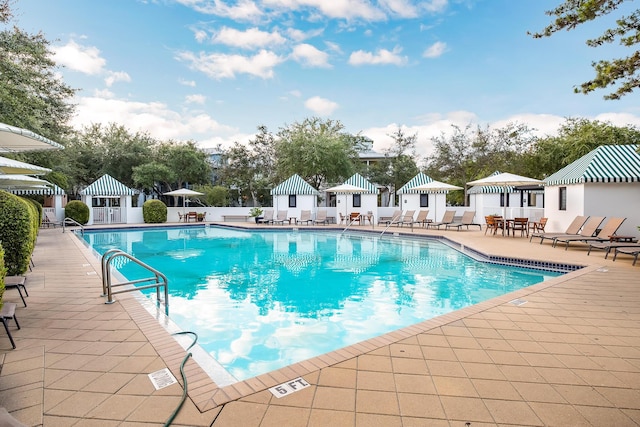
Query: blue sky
213	70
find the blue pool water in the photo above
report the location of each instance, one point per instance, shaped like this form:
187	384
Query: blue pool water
261	300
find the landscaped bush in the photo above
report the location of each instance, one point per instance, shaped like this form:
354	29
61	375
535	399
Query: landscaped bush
78	211
17	232
3	272
154	211
38	210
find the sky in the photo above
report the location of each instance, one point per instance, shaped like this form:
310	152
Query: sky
212	71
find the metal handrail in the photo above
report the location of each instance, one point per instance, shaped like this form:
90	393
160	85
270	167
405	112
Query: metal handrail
158	279
394	220
73	221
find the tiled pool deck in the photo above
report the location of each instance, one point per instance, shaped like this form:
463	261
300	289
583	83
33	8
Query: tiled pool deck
569	356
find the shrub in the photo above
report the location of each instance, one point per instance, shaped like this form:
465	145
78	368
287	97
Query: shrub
78	211
154	211
17	232
3	272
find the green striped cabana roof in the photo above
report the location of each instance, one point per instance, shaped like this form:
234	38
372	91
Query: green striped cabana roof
107	186
360	181
419	179
53	190
294	185
607	163
490	189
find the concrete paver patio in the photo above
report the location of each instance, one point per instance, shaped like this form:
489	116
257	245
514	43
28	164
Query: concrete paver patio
569	356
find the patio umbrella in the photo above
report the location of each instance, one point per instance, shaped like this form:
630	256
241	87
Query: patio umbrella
435	186
10	166
184	193
346	189
21	182
505	180
14	139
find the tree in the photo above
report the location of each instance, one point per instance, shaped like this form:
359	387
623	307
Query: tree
319	151
622	72
32	94
398	165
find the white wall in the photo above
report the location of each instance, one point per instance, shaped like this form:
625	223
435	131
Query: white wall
620	199
437	204
559	220
305	202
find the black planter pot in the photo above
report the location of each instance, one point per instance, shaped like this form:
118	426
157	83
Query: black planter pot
258	218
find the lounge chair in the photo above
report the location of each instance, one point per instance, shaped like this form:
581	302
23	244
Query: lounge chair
281	217
589	229
465	221
397	214
321	217
604	235
447	218
573	228
267	218
305	216
17	282
9	312
607	246
407	219
422	217
633	251
50	219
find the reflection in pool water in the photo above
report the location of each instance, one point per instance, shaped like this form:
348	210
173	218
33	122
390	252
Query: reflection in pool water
263	300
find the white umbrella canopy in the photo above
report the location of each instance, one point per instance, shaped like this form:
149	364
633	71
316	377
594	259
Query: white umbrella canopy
184	193
346	189
10	166
435	186
505	180
13	139
21	182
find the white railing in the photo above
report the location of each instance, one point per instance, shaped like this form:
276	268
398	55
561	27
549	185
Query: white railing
107	215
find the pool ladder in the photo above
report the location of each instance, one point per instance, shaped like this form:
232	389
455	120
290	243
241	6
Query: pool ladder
158	280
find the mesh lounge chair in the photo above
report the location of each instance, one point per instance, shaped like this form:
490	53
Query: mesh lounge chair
465	221
9	312
588	230
50	219
397	214
305	216
447	218
629	250
607	246
422	217
573	228
407	219
17	282
608	230
267	218
321	217
281	217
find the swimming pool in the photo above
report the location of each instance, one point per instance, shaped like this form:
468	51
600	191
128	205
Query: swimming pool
262	300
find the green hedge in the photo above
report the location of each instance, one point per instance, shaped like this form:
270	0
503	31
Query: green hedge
154	211
78	211
3	272
18	228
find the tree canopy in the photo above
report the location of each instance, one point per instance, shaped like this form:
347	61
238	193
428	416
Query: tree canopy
621	72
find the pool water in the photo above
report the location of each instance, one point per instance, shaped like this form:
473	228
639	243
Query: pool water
262	300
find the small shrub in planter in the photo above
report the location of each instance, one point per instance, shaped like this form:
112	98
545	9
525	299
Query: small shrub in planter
78	211
154	211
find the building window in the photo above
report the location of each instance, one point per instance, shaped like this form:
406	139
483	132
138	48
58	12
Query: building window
502	200
292	200
532	200
424	200
357	200
562	202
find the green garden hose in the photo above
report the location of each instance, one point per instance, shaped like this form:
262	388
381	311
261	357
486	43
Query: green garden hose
184	377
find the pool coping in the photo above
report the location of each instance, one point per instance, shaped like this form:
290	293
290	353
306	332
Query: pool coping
207	395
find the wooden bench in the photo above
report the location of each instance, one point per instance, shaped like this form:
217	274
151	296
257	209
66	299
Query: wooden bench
9	312
236	218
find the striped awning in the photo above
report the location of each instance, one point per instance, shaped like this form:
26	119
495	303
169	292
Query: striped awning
490	189
419	179
607	163
294	185
107	186
48	191
360	181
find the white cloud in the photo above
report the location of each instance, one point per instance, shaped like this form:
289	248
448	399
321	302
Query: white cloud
220	66
85	59
382	56
334	47
252	38
189	83
346	9
434	6
435	50
320	106
116	76
402	8
200	35
243	10
195	99
310	56
295	93
299	35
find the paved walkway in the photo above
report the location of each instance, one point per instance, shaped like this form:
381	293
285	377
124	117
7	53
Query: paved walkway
569	356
